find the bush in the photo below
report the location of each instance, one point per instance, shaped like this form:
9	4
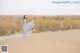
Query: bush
10	25
54	23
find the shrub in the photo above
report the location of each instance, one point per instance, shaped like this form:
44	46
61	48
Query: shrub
10	25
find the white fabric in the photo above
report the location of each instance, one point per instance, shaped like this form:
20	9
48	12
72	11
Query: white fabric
24	20
28	26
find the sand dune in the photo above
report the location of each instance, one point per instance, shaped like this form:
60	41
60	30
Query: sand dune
45	42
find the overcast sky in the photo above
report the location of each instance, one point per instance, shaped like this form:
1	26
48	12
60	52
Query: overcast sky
37	7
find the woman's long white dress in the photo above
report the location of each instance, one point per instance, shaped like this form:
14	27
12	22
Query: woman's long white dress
27	26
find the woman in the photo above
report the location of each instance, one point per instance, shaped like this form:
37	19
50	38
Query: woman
27	25
24	22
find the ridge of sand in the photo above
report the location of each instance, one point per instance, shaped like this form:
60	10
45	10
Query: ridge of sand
46	42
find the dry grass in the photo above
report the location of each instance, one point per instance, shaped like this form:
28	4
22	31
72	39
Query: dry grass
10	25
55	23
13	24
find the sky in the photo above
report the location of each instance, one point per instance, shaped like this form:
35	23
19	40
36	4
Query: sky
37	7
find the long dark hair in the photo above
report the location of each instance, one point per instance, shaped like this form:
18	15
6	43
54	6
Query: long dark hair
24	17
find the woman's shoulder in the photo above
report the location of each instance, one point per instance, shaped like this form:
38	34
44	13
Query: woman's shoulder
24	20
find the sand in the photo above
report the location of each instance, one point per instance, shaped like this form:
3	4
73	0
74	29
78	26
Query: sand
45	42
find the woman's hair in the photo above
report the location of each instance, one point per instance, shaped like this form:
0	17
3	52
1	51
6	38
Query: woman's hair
24	17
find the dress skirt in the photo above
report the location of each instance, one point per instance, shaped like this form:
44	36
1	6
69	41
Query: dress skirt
28	26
